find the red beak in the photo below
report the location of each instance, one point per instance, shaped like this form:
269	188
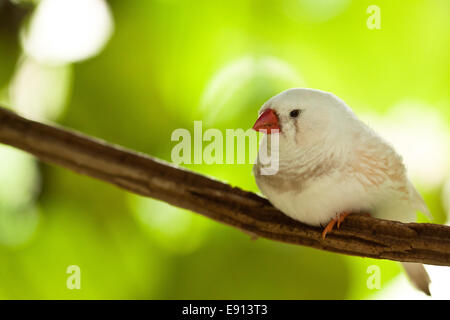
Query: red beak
268	121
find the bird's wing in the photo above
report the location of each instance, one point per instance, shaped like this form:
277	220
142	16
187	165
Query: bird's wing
377	164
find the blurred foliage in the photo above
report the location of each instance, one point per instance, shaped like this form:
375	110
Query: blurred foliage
168	63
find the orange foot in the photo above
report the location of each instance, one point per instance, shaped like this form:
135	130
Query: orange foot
339	218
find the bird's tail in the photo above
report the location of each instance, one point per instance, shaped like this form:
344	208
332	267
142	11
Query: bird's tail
418	276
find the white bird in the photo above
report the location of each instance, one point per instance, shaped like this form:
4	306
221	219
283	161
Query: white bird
331	164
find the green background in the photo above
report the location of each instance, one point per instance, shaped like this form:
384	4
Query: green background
167	64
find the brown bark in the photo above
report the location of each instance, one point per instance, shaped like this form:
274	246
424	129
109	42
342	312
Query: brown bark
359	235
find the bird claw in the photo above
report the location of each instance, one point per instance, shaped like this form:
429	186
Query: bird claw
328	228
339	219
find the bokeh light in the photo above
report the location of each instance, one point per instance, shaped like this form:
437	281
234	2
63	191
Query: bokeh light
223	96
64	31
40	91
174	229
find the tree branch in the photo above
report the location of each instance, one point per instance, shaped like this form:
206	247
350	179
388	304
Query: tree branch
360	235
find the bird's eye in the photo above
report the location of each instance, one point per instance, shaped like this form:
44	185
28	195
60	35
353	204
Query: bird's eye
294	113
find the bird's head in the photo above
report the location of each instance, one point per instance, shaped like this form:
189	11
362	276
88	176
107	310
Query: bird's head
303	116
